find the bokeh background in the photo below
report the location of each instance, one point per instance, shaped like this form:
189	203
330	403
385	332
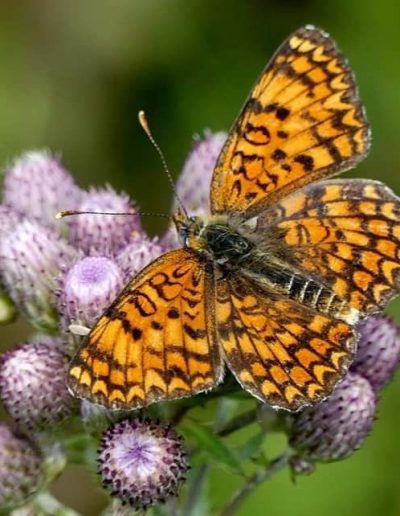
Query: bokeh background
73	75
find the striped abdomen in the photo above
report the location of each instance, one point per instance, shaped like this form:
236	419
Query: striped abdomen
286	280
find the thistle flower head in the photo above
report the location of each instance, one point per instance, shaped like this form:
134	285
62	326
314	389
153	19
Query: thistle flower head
193	185
30	259
37	186
378	352
87	288
33	384
20	468
104	234
142	462
139	253
337	427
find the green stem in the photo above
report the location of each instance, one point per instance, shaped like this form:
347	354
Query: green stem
242	420
195	492
260	476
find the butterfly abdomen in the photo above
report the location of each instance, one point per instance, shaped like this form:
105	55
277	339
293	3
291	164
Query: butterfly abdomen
289	282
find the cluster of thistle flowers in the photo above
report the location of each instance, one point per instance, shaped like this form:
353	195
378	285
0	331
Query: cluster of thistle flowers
60	273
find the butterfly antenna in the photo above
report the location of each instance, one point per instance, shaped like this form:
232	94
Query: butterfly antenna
68	213
145	126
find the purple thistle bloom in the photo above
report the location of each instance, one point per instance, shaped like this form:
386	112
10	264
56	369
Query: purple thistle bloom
87	289
193	185
37	186
139	253
9	218
142	462
338	426
30	259
378	352
104	234
33	384
20	468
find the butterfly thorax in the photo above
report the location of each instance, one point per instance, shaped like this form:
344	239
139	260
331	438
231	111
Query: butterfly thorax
217	238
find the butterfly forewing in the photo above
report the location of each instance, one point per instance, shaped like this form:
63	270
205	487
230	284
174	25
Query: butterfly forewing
302	122
157	341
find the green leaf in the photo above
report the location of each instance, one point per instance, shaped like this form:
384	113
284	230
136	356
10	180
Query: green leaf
209	442
252	447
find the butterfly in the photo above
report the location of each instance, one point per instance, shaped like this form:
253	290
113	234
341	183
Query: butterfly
273	284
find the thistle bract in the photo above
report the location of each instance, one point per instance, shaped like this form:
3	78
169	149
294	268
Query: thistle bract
33	384
378	352
37	186
20	468
104	234
338	426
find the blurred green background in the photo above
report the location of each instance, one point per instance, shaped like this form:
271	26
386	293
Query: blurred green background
73	75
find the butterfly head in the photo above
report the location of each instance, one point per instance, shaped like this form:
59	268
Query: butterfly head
189	229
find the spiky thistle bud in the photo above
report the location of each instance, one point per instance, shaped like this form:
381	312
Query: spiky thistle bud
193	185
338	426
37	186
378	353
31	257
139	253
33	384
142	462
20	468
104	234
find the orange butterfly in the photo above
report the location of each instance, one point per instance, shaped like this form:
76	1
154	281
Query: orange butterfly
274	283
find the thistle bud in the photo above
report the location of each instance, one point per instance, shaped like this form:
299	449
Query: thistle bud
104	234
139	253
30	259
378	353
37	186
193	185
33	384
338	426
20	468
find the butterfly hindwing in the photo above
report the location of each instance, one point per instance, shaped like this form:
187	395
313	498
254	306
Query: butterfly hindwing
281	351
302	122
156	341
346	232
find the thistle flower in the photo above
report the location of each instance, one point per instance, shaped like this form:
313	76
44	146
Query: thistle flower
37	186
142	462
139	253
33	384
104	234
338	426
193	185
30	259
20	470
378	352
87	289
